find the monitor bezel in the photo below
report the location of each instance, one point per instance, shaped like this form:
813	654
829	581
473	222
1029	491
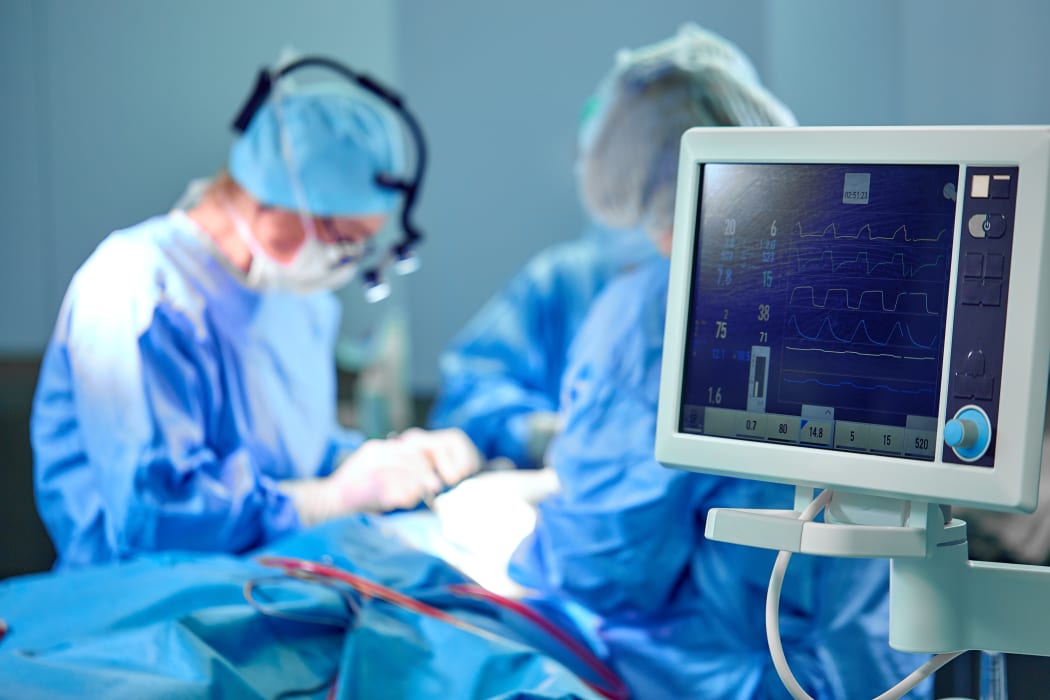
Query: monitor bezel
1013	483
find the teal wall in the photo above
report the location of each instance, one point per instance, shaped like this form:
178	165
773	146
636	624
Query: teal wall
112	105
501	86
911	61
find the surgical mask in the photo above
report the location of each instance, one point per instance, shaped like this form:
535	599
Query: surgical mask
315	267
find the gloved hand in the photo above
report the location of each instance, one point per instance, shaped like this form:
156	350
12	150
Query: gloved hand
384	475
452	453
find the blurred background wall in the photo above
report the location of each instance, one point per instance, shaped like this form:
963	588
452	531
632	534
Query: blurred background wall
111	106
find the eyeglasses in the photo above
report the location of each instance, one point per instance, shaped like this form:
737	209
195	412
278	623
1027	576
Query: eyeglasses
342	230
356	239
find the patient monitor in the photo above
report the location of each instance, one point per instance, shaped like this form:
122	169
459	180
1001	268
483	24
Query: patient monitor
867	311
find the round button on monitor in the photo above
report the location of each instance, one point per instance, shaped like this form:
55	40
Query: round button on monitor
969	433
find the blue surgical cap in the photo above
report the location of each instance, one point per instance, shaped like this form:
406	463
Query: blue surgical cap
337	144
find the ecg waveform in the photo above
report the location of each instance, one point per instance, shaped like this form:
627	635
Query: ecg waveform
894	264
911	299
862	327
908	237
862	387
859	354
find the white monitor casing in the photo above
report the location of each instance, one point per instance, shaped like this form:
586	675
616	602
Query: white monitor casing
1012	482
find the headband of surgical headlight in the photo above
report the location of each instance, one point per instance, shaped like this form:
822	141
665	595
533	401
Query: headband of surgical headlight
324	151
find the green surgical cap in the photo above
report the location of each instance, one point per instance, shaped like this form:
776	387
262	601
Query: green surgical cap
627	162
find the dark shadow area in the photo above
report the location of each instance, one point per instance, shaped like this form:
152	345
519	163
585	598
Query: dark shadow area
24	543
1027	677
960	678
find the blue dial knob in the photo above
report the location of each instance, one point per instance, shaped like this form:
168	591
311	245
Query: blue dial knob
960	433
969	433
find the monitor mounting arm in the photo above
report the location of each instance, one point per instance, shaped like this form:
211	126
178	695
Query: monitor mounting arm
940	601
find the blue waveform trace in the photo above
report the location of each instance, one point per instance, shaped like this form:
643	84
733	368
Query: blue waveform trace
871	236
891	264
862	387
891	355
904	331
860	301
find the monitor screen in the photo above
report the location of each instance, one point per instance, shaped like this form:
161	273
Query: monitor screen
819	303
861	308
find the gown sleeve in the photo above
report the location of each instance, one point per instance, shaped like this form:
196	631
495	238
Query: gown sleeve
145	380
622	530
505	364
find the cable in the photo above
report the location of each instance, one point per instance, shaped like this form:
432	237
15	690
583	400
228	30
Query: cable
918	675
776	648
613	688
252	596
776	582
610	686
253	591
311	571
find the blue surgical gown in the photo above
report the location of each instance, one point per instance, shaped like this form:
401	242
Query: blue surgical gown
507	362
172	399
177	625
679	615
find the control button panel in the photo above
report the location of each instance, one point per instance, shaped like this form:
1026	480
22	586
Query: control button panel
981	296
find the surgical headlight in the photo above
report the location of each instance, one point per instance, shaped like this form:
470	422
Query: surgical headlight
376	289
402	254
405	259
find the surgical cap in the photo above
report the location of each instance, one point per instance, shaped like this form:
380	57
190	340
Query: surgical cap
629	139
336	144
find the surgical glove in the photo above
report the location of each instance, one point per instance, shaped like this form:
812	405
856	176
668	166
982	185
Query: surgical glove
385	475
379	476
452	453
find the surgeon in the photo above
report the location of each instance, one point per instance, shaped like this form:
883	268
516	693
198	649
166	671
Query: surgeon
621	547
187	397
501	374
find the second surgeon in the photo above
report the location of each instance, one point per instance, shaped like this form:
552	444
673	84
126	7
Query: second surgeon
622	545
